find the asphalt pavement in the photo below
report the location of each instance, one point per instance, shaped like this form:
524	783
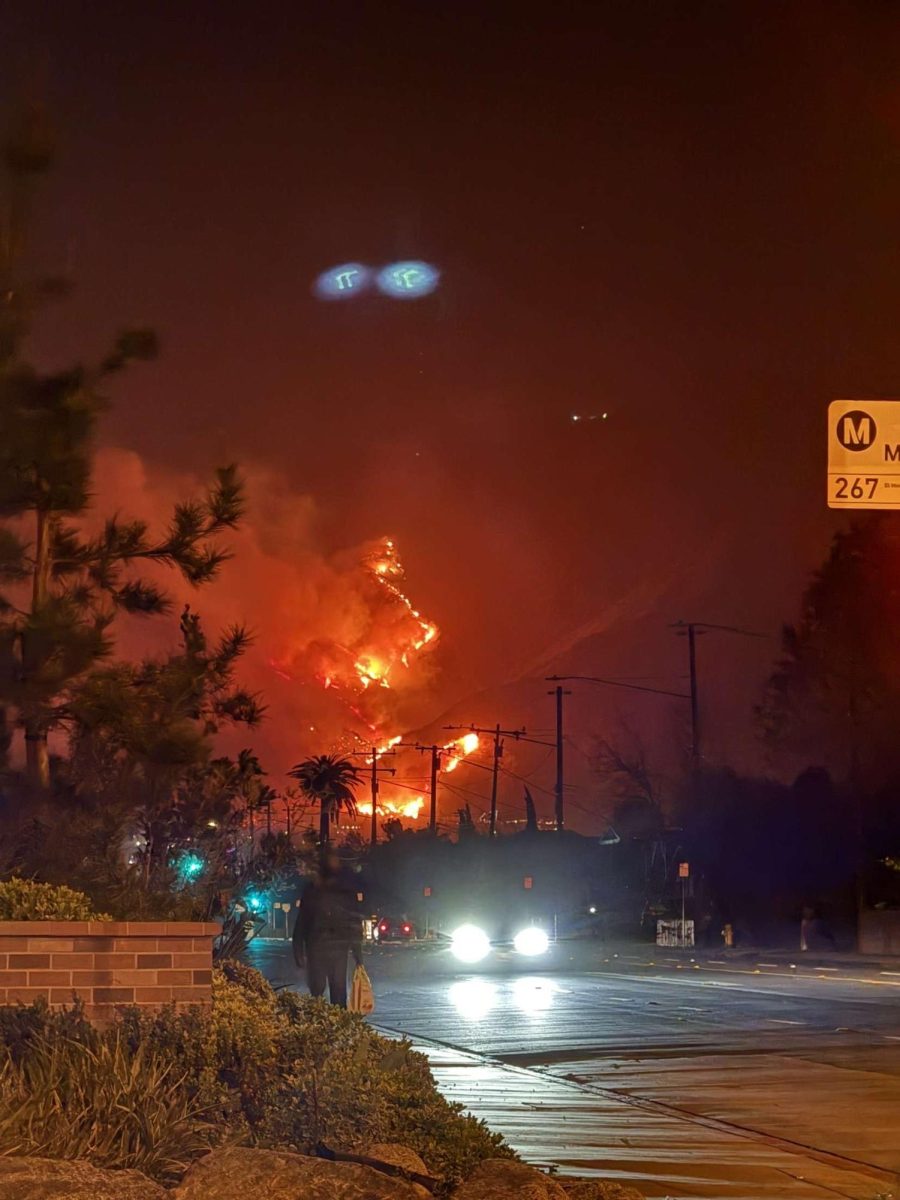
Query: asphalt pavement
688	1075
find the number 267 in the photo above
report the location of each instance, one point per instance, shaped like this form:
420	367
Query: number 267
856	489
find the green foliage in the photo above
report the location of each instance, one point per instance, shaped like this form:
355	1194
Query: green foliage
65	585
272	1069
102	1102
285	1070
26	900
22	1028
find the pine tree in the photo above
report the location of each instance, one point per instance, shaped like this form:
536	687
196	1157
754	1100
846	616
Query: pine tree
141	736
63	588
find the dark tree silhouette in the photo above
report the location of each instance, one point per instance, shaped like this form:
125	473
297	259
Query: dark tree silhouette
331	782
62	587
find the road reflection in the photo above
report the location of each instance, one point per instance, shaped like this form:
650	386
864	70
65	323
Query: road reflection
534	995
475	999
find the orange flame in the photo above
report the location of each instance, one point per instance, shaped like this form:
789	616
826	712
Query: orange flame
459	749
395	808
389	641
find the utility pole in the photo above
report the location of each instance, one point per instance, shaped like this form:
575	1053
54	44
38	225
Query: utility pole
436	753
374	835
560	777
692	630
435	767
498	734
495	773
695	699
373	755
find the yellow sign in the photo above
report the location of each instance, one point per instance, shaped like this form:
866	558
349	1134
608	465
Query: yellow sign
864	454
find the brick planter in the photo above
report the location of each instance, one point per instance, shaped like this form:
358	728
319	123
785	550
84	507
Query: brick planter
107	963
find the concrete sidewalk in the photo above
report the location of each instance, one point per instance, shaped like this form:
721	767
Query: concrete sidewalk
662	1152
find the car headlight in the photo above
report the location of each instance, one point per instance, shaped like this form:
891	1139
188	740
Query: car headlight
531	942
470	944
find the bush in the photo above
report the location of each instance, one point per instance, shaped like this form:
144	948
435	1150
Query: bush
26	900
102	1103
290	1071
272	1069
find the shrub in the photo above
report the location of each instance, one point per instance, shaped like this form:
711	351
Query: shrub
272	1069
290	1071
103	1103
26	900
21	1028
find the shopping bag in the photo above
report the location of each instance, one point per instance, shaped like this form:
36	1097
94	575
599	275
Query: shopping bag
362	998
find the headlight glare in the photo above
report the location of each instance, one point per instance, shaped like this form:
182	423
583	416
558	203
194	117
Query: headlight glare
470	944
531	942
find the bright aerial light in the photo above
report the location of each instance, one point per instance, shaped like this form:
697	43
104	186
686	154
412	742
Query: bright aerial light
470	944
342	282
408	280
531	942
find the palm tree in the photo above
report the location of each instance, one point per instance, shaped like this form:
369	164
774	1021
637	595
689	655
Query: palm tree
330	782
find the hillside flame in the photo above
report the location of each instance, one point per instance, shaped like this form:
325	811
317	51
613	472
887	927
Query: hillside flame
382	639
412	809
383	634
460	749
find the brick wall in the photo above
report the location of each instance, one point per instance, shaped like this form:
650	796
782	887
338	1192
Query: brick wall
107	963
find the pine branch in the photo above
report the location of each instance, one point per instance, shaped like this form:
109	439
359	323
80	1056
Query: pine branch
225	502
146	599
202	565
239	707
232	644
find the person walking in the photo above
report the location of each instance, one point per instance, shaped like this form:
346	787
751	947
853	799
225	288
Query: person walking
328	930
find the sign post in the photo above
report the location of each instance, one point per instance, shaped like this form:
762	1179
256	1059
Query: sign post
684	871
864	454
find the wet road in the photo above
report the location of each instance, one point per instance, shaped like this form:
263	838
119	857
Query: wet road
684	1078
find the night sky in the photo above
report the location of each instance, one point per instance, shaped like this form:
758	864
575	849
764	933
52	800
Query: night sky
684	215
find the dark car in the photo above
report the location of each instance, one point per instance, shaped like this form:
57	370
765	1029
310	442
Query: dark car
391	929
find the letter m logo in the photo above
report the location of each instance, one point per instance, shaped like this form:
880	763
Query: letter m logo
856	430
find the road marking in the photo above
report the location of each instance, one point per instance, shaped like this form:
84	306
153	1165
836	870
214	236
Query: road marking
827	968
783	1021
781	974
767	964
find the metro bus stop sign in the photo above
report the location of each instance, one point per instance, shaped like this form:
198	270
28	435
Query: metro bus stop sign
864	454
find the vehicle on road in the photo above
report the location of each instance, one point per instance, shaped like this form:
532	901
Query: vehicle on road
392	929
471	943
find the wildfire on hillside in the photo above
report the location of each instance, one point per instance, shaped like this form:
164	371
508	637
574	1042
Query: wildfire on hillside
394	808
387	639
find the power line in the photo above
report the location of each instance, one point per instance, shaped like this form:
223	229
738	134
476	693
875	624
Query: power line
631	687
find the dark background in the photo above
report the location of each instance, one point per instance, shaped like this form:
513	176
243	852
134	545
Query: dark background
683	215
